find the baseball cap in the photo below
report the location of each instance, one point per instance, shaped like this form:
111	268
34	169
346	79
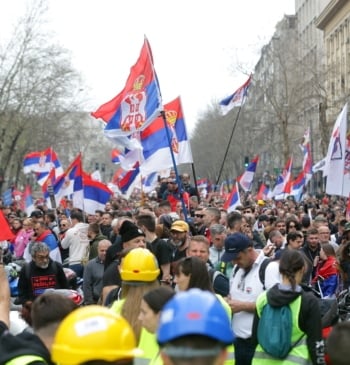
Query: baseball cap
179	226
234	244
36	214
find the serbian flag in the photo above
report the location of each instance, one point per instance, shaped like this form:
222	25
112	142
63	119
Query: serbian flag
202	183
115	155
96	194
263	192
307	159
70	183
42	162
28	200
298	186
233	200
237	98
246	179
125	183
283	181
156	149
150	182
138	104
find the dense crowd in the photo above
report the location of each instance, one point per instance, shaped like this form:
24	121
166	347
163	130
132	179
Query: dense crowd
137	256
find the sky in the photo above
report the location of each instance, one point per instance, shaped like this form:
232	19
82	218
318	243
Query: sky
202	50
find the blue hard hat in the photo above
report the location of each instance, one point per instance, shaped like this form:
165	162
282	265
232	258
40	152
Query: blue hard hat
194	312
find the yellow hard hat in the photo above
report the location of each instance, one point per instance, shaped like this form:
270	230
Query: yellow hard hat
261	202
93	333
139	265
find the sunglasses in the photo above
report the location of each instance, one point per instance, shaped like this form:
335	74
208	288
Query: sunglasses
199	215
63	225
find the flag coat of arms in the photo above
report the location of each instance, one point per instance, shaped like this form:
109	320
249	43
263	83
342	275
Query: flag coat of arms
156	150
138	104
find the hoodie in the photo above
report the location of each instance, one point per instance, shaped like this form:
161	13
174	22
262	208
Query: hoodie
309	317
25	343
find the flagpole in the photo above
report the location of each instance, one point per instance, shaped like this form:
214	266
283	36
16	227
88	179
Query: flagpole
195	182
229	143
179	184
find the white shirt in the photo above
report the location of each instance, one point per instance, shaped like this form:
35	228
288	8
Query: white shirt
78	242
272	274
245	288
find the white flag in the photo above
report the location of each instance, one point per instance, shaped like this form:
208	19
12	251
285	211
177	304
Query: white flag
338	182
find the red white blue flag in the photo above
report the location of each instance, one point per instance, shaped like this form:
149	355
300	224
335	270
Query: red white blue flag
307	158
156	149
298	186
283	183
233	200
138	104
263	192
96	194
42	162
28	200
246	179
237	98
70	183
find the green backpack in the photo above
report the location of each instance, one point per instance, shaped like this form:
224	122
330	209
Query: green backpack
275	331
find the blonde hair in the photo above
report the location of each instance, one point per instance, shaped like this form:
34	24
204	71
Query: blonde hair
133	295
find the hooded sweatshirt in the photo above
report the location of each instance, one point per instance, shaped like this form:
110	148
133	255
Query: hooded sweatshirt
25	343
309	317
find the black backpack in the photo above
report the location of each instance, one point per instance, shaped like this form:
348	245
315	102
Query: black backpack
221	283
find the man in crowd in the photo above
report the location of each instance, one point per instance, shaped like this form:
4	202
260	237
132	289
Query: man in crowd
76	239
43	234
244	290
40	274
93	274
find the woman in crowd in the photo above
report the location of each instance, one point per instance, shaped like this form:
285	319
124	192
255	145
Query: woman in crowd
306	336
23	237
151	305
139	273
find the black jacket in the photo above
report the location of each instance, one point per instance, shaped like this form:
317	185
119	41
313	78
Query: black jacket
24	343
33	280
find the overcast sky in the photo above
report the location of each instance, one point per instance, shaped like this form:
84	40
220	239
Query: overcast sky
198	46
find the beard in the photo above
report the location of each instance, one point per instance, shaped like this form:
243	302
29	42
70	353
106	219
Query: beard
42	265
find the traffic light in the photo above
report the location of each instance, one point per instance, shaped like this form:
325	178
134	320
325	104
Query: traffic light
246	161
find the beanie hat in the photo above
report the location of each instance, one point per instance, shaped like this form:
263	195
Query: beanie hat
129	230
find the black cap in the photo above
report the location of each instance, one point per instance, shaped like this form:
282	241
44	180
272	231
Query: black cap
129	230
36	214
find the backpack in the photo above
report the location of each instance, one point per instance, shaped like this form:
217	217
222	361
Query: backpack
275	330
262	271
220	282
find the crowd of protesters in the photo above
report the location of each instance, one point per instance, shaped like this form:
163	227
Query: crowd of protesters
196	243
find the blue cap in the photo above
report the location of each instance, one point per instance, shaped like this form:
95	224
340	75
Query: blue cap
194	312
234	244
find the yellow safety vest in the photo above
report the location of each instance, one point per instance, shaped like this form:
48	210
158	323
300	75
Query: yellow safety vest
299	354
147	343
25	359
230	349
